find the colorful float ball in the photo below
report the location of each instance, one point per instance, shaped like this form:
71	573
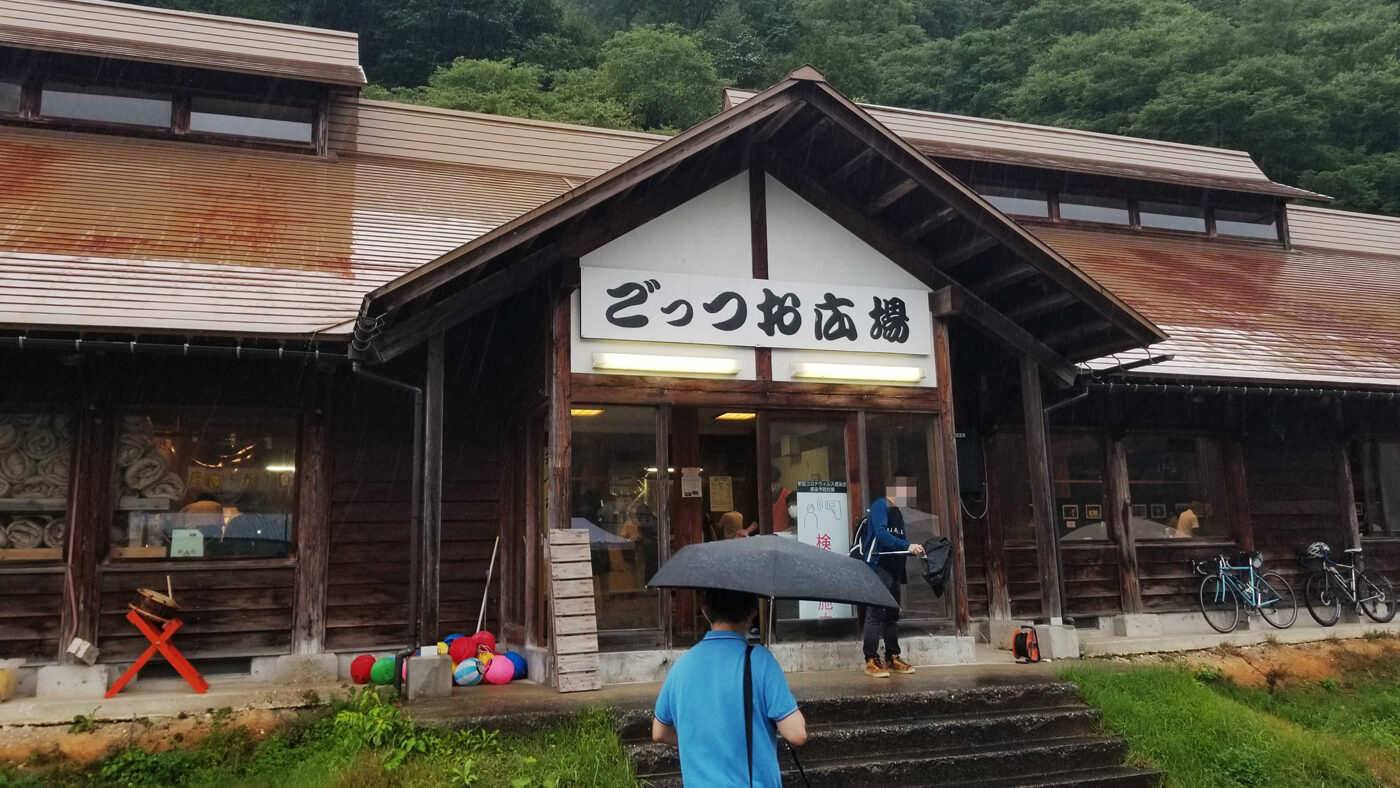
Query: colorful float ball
522	669
484	638
442	647
500	671
461	649
383	671
450	638
467	673
360	668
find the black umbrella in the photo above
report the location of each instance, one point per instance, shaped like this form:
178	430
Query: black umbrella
775	567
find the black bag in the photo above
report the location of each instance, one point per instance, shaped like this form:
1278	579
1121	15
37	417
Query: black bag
937	564
855	550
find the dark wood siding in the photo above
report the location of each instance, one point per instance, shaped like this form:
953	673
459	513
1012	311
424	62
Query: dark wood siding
30	604
1091	579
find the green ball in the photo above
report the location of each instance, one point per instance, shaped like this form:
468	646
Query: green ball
383	671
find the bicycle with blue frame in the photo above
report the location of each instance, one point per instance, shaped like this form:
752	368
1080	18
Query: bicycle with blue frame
1328	588
1227	587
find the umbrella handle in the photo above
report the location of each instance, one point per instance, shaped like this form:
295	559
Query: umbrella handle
896	552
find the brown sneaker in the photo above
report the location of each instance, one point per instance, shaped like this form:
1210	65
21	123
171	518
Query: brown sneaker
898	665
875	669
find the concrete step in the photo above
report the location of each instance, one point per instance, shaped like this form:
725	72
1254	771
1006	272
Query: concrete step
835	740
1112	777
885	704
1014	764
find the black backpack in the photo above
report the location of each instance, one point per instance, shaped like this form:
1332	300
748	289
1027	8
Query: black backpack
856	551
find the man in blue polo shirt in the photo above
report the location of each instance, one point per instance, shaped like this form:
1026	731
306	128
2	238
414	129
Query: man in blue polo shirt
701	705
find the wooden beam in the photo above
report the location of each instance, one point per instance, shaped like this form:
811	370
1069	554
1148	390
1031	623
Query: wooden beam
758	221
648	390
1079	331
961	254
431	569
774	125
1043	306
668	510
999	511
1042	496
1119	520
1013	275
845	171
1237	495
311	578
952	489
994	323
928	224
1346	498
678	443
890	196
560	422
459	307
88	515
805	140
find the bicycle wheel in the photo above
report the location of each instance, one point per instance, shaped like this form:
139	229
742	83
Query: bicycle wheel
1219	605
1277	604
1376	595
1323	598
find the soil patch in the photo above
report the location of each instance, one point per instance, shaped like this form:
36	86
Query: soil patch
56	744
1277	664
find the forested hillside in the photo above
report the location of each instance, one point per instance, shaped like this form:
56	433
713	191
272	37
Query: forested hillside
1310	87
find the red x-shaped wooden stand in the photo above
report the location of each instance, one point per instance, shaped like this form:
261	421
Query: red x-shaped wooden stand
160	641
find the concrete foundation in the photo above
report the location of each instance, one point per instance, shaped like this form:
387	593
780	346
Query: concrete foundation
1137	625
9	678
429	676
71	681
1058	641
296	668
999	632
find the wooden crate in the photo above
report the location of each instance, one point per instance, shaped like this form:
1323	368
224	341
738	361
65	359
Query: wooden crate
575	638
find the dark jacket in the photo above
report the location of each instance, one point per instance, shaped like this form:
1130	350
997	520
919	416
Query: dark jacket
887	530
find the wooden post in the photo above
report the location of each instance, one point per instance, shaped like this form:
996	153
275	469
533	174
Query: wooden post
994	540
1119	515
948	454
560	426
1042	502
535	618
669	529
855	469
764	452
313	480
1237	496
1346	498
88	513
431	568
678	441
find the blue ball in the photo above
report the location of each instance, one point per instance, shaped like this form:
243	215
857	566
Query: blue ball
448	640
522	668
467	673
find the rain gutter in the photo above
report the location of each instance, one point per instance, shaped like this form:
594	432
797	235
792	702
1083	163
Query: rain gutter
139	348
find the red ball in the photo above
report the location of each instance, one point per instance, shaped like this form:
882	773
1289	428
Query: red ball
484	638
461	649
360	668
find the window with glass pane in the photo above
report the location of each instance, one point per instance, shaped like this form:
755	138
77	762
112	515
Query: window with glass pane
1105	209
1376	480
35	455
613	494
1018	200
897	447
1077	474
250	119
808	480
201	484
10	91
1162	215
1257	223
105	104
1176	485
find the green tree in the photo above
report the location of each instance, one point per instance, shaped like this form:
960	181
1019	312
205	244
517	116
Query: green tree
739	54
845	39
662	76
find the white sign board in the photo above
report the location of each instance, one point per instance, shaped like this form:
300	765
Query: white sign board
823	514
653	306
690	483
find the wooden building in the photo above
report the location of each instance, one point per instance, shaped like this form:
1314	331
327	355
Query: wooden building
310	354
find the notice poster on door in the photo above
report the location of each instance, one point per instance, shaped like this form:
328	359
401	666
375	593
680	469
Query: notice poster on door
823	514
721	494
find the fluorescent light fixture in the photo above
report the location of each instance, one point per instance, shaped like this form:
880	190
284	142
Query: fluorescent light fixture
585	411
668	470
281	468
870	372
636	362
736	415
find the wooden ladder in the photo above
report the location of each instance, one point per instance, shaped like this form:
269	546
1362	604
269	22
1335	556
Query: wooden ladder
575	634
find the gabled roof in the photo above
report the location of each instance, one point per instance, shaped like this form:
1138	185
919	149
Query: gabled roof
944	135
1251	311
1325	228
831	153
98	28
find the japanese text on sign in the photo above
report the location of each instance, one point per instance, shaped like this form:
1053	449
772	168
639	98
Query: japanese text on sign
822	520
708	310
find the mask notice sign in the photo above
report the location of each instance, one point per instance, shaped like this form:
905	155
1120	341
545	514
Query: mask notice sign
823	515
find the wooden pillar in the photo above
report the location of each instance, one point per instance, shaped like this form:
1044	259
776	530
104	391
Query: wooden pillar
673	513
1119	515
1042	502
1237	495
764	452
560	426
431	567
856	473
88	512
1346	498
536	611
313	480
948	456
999	507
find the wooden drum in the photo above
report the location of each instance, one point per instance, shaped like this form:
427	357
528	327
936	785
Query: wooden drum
155	605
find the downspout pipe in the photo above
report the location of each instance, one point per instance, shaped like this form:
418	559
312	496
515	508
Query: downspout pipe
415	518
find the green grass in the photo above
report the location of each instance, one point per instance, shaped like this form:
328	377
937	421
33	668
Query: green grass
1201	737
362	741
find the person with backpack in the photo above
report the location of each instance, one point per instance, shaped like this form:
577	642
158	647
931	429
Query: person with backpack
717	686
884	533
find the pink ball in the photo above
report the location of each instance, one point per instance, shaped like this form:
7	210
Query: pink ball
360	668
500	671
484	638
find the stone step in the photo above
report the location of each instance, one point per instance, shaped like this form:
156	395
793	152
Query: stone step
936	734
1113	777
1015	764
883	705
